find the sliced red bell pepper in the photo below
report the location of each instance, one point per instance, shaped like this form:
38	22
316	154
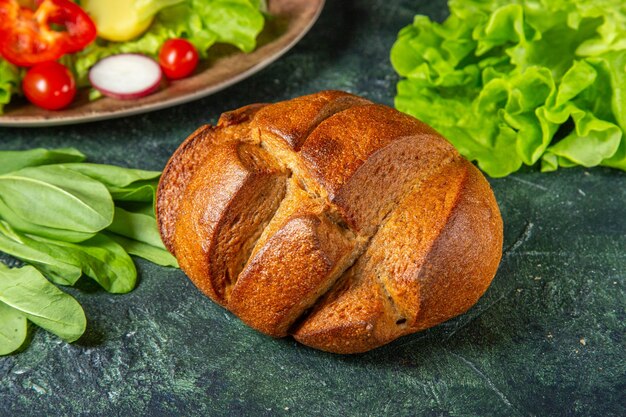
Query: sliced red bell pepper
55	28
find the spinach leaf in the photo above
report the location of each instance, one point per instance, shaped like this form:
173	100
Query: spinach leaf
54	196
27	291
61	217
142	191
14	160
136	226
39	255
124	184
153	254
146	208
99	258
13	329
22	225
111	175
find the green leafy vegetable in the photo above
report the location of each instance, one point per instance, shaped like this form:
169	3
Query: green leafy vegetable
151	253
9	82
72	201
99	258
137	233
32	296
41	256
137	226
13	329
15	160
113	176
140	191
64	262
236	22
143	207
17	222
123	184
500	79
60	216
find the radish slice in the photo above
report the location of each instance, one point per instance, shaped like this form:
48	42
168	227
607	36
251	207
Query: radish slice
126	76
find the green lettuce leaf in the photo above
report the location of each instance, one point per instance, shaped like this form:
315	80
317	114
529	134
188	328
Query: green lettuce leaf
499	79
9	82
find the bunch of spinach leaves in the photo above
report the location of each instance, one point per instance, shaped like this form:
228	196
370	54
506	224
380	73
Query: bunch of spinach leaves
66	218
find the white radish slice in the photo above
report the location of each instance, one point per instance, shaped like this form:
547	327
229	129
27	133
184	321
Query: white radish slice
126	76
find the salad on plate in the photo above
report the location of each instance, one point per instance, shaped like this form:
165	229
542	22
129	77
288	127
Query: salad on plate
119	48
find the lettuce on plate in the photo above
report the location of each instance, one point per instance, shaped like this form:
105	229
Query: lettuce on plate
517	82
9	82
202	22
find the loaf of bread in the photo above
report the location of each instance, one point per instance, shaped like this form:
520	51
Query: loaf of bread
343	223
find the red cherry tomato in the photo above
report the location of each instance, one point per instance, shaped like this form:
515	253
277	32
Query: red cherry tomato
178	58
49	85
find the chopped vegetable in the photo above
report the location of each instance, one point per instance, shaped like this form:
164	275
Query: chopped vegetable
201	22
123	20
126	76
178	58
55	28
49	85
513	84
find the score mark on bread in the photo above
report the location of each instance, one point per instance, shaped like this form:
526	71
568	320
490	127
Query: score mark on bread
343	223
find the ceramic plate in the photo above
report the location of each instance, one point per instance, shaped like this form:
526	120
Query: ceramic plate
291	20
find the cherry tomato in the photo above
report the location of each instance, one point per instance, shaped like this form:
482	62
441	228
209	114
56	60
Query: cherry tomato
178	58
49	85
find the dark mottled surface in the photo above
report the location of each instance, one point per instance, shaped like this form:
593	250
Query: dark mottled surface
546	339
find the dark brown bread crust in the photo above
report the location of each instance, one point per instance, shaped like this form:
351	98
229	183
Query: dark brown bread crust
191	154
344	223
295	267
291	122
430	261
229	200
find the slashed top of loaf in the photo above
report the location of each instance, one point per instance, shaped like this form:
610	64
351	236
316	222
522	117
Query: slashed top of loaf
333	257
